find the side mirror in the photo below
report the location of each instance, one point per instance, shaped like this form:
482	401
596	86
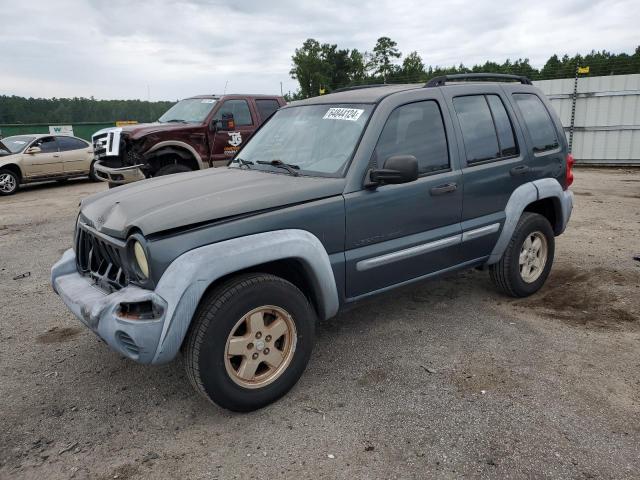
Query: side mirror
33	150
396	169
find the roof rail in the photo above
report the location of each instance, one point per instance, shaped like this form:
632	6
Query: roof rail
442	80
358	87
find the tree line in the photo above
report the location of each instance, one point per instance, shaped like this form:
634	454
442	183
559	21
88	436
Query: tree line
15	109
322	68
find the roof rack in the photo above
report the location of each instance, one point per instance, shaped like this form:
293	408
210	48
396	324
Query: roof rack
442	80
358	87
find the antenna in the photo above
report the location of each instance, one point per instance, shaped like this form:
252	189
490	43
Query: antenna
225	87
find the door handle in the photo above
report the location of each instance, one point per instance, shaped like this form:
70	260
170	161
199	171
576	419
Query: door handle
442	189
56	156
521	170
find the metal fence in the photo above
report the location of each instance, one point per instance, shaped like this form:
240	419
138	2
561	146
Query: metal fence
607	117
82	130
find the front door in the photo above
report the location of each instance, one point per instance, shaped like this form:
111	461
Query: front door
45	163
396	233
225	144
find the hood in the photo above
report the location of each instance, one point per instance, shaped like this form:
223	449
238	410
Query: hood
141	129
173	201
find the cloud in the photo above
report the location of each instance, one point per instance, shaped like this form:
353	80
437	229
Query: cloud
119	48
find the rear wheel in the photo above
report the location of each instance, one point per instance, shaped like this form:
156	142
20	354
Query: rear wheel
171	169
250	341
527	260
8	182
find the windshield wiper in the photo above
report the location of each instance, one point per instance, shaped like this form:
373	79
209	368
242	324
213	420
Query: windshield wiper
292	169
176	120
242	162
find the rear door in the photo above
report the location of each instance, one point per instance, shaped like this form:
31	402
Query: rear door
225	144
76	155
45	163
397	233
494	162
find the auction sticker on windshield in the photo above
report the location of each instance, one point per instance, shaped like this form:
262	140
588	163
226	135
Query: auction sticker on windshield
351	114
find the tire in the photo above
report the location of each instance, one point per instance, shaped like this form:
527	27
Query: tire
171	169
216	374
92	173
9	182
521	280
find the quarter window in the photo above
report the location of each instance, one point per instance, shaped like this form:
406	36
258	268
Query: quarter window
538	121
504	128
239	109
415	129
266	108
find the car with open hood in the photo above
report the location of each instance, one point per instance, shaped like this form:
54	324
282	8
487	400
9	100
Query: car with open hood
42	157
335	199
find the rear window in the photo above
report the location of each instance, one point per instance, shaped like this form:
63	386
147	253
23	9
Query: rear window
538	121
266	108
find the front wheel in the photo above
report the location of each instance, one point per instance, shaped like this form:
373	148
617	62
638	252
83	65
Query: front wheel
251	340
8	182
527	260
171	169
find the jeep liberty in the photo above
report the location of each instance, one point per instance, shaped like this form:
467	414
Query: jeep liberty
335	199
196	133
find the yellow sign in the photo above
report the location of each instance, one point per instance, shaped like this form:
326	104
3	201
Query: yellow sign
583	69
122	123
322	91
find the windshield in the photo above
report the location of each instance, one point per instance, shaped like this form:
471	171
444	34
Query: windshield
191	110
318	140
15	144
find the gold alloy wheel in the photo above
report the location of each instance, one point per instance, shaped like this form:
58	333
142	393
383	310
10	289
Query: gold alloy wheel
533	257
260	346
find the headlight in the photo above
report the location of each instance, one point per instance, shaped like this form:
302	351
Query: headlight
141	259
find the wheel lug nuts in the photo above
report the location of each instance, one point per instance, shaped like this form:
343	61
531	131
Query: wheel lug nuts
250	346
266	351
268	338
254	356
258	334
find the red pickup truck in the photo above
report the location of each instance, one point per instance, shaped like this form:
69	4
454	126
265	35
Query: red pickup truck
196	133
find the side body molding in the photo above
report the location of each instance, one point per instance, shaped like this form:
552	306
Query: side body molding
187	278
523	196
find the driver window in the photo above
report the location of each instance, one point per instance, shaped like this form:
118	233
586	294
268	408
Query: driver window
46	144
239	109
415	129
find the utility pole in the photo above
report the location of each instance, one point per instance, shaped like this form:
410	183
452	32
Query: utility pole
573	108
281	90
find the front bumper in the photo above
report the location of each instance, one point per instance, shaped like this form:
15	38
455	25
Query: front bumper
101	312
119	176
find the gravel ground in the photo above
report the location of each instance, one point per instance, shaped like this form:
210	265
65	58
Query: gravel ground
444	379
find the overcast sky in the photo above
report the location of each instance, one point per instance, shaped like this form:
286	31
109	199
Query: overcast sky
122	48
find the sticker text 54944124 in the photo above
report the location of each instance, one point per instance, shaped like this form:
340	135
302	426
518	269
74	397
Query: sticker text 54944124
351	114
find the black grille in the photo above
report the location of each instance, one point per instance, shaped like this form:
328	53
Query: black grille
100	260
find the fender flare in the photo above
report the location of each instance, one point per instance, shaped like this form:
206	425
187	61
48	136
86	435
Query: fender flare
523	196
188	277
176	143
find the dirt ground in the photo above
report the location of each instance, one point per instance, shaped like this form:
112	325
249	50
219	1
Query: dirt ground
443	379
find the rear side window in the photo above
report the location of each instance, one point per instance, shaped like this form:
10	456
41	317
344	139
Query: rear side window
415	129
266	108
70	143
486	128
539	124
239	109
